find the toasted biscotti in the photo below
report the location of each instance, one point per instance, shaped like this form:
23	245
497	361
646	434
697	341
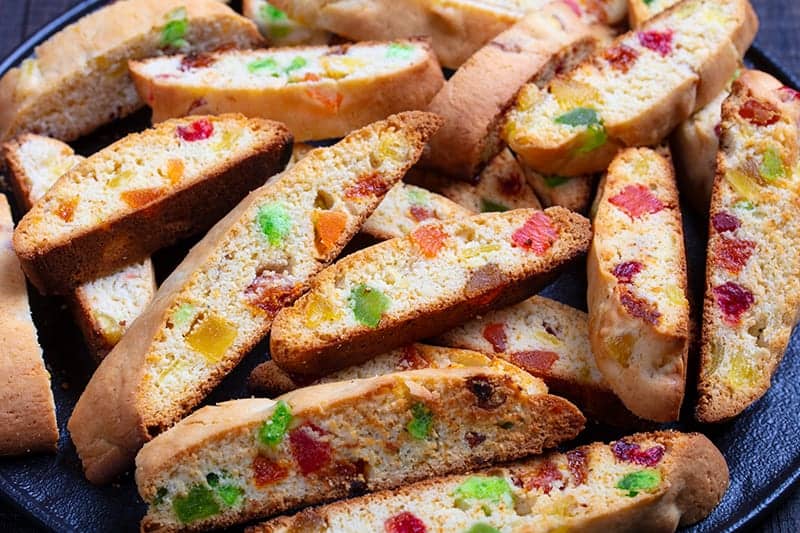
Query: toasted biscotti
573	193
457	28
319	92
144	192
402	290
220	301
640	11
27	410
501	186
253	458
651	482
634	92
78	78
105	307
551	341
278	29
473	101
753	264
638	310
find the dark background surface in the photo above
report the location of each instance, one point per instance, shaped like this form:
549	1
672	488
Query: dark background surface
779	37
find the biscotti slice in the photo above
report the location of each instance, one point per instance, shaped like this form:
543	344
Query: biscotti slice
105	307
640	11
78	78
753	263
278	29
27	410
220	301
247	459
551	341
458	28
638	311
501	186
644	482
319	92
634	92
402	290
473	101
145	192
573	193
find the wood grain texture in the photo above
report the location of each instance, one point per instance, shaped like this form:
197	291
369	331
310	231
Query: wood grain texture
779	37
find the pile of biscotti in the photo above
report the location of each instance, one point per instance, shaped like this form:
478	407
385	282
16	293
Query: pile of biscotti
415	381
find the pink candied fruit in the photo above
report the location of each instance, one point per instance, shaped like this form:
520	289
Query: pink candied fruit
311	452
723	222
537	234
404	522
733	300
573	5
198	130
420	213
787	94
496	335
631	452
637	200
657	41
624	272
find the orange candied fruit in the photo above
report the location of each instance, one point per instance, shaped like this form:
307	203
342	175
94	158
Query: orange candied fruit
66	209
141	197
430	239
266	471
330	100
175	168
212	337
328	228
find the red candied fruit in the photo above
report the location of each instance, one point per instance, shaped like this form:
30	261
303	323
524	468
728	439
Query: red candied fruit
412	360
636	201
732	254
787	94
533	360
194	60
311	452
723	222
718	130
657	41
271	292
404	522
266	471
543	479
537	234
624	272
430	239
369	185
496	335
759	113
198	130
639	307
578	465
633	453
511	185
420	213
621	57
733	300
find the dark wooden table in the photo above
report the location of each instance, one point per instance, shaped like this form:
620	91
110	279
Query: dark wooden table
779	36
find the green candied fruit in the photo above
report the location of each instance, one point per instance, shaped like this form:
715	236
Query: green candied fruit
183	314
173	32
648	2
491	489
161	493
418	196
275	222
230	494
279	31
489	206
399	51
368	304
772	165
197	505
482	527
638	481
272	14
297	63
273	430
421	421
265	64
594	138
555	181
580	116
744	204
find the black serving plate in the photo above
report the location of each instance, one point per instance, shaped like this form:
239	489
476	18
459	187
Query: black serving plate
761	445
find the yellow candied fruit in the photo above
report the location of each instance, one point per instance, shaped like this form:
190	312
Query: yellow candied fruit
562	507
743	184
620	347
175	168
391	147
476	251
212	337
675	295
109	328
571	94
59	167
528	97
120	178
170	369
547	338
337	67
742	373
320	310
401	390
468	358
227	140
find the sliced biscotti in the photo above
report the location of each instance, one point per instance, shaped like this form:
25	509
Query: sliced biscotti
105	307
27	410
574	193
78	79
638	311
253	458
402	290
278	29
640	11
457	29
220	301
144	192
647	481
634	92
319	92
753	247
551	341
474	99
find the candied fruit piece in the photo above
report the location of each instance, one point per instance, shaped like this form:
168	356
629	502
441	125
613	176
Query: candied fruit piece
399	51
109	328
734	300
771	167
183	314
490	206
573	5
543	478
175	168
491	489
742	373
475	251
141	197
226	142
195	60
370	185
624	272
212	337
404	522
272	431
328	98
537	234
412	359
310	448
578	465
266	471
581	116
275	222
421	421
636	201
657	41
469	358
368	304
759	113
329	226
743	184
621	57
338	67
199	503
496	335
533	360
633	453
174	31
429	239
420	213
66	208
724	221
546	337
391	147
120	178
230	494
788	94
640	481
198	130
732	254
639	307
675	295
620	348
487	394
320	310
483	527
271	292
593	138
266	64
572	94
511	185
